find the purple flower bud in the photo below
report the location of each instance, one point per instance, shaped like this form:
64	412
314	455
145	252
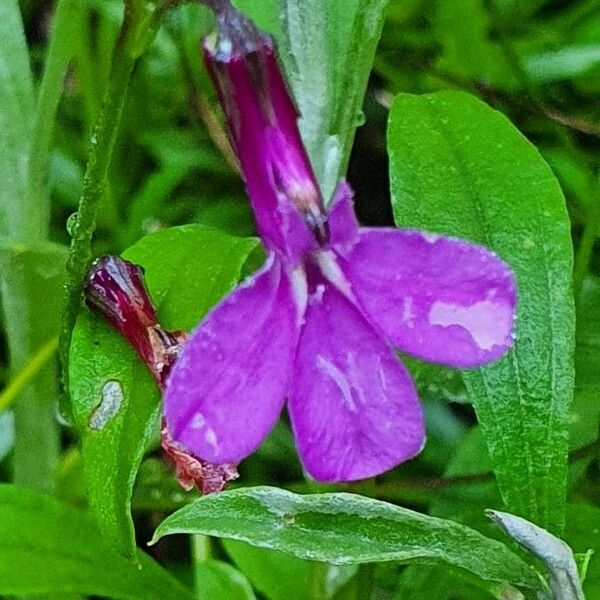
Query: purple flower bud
115	289
262	120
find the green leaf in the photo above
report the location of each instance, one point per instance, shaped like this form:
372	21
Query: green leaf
463	28
344	528
47	547
188	269
220	580
60	51
556	555
16	100
565	63
327	47
104	369
458	167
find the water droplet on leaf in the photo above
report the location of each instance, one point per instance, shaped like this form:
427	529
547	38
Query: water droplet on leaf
360	118
72	224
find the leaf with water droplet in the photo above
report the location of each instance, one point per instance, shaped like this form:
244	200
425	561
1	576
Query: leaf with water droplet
115	401
460	168
345	529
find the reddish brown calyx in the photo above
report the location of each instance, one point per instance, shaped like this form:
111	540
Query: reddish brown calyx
190	471
115	289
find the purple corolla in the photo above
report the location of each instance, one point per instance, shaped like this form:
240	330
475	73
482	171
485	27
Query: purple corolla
318	323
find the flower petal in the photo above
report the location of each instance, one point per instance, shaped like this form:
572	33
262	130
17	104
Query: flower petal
263	128
353	406
343	226
438	298
228	386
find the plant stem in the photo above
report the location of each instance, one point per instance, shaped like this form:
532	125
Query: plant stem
32	271
28	275
318	572
201	551
101	147
37	209
586	244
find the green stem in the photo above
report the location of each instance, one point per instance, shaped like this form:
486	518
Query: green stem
140	23
318	573
37	209
21	379
102	143
28	276
201	551
586	244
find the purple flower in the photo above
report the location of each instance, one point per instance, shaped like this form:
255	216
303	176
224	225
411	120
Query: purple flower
317	324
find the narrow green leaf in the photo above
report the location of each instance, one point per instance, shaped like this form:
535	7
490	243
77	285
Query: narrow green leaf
328	48
188	269
60	52
47	547
16	115
344	528
460	168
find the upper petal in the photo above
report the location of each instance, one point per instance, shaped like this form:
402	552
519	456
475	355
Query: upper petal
353	406
343	226
262	122
228	386
438	298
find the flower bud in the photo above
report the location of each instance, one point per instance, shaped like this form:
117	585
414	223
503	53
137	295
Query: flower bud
263	127
115	289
